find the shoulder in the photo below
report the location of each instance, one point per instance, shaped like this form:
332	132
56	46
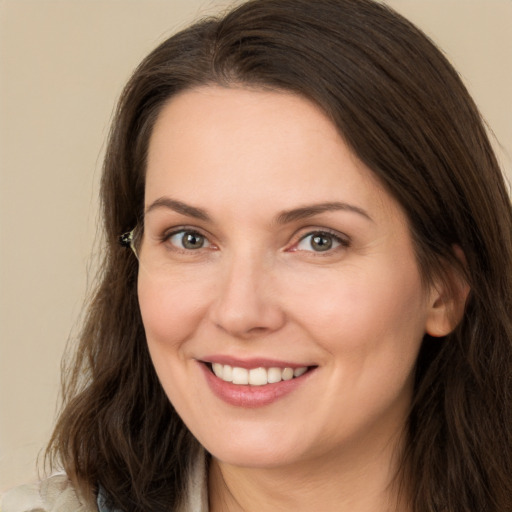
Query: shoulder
54	494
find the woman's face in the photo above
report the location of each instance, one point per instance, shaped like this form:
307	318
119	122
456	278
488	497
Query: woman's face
269	249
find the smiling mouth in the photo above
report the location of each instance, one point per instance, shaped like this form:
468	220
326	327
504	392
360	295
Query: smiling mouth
256	376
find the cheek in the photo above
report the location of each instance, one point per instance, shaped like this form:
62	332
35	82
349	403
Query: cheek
365	311
170	313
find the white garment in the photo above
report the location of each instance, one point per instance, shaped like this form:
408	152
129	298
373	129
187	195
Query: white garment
56	494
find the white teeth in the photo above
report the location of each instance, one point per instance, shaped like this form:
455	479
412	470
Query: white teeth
240	375
218	370
274	375
299	371
227	373
287	374
256	376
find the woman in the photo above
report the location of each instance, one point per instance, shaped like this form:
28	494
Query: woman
315	313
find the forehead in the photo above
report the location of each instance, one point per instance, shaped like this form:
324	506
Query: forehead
250	148
242	118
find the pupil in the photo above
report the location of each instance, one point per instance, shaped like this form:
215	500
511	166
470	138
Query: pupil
321	242
192	241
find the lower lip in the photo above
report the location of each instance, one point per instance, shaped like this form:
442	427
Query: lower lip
251	396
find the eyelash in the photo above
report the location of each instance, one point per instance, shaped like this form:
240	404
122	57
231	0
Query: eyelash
343	242
166	238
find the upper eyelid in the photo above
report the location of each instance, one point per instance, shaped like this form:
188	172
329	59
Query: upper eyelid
328	231
167	233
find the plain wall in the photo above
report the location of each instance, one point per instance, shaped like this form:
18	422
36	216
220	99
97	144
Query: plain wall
62	66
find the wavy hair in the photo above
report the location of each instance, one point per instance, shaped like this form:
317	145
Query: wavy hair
404	111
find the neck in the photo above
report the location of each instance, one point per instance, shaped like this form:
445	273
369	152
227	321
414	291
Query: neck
361	480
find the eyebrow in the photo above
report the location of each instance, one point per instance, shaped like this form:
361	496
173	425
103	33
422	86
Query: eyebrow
305	212
178	207
284	217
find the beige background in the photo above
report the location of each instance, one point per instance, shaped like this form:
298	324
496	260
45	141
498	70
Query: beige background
62	66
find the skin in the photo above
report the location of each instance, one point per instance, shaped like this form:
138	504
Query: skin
259	288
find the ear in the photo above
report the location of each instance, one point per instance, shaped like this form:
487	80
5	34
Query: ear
447	300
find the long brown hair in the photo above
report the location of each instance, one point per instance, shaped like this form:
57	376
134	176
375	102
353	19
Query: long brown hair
405	113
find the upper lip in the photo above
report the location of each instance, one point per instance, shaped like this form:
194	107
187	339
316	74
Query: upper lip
253	362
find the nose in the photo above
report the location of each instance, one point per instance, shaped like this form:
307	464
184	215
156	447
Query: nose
247	304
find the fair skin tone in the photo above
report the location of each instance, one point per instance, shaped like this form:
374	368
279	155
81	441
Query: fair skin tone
267	243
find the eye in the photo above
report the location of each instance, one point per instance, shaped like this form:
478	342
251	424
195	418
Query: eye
320	241
189	240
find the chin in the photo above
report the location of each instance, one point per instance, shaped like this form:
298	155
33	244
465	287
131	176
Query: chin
253	458
267	451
